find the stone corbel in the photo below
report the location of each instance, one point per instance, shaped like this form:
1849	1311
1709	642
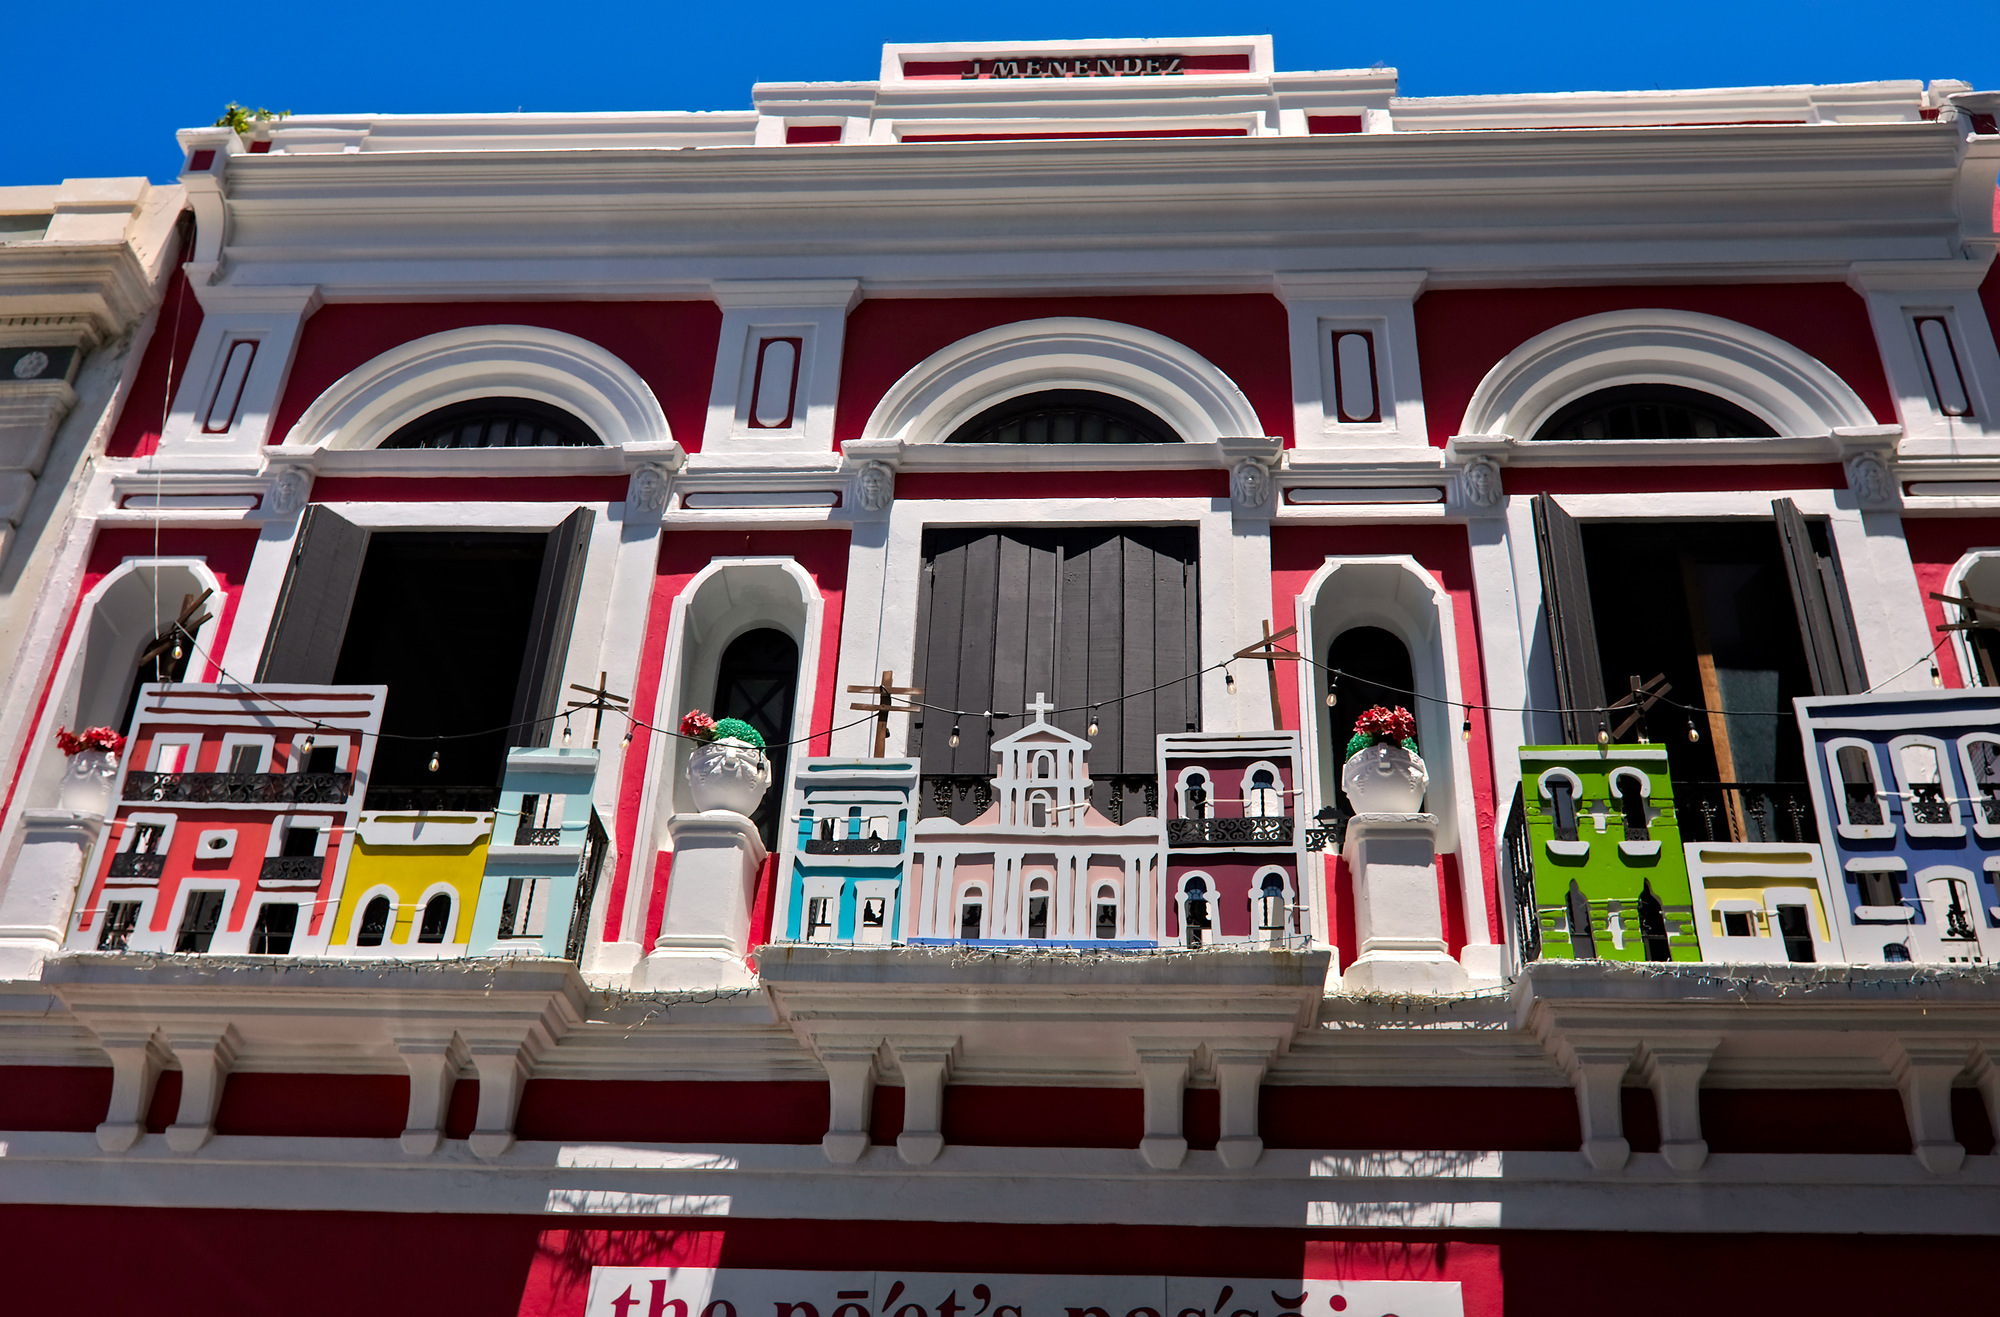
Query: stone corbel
1597	1072
1986	1075
137	1059
1163	1073
1252	464
205	1053
504	1064
851	1067
870	466
926	1065
1924	1072
1673	1071
1239	1074
1479	489
434	1065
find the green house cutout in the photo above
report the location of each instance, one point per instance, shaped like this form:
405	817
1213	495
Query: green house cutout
1595	845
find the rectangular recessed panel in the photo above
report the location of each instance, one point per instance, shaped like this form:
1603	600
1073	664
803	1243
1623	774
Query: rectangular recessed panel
779	498
1354	391
228	393
775	386
1941	360
1389	494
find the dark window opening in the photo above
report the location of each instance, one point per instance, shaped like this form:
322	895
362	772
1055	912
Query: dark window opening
1084	616
1797	933
495	423
198	920
246	758
1107	916
301	841
971	915
1632	804
148	837
374	922
1065	416
1582	940
437	918
162	667
272	934
1896	953
1562	807
1857	784
120	919
1197	919
819	919
1374	668
1653	924
1880	887
1985	757
1038	916
874	912
1653	411
1197	796
323	759
756	681
1737	923
1271	904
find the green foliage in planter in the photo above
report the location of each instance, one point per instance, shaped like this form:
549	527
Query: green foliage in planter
738	730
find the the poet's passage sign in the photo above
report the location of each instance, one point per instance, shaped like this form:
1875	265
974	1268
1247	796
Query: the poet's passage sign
711	1292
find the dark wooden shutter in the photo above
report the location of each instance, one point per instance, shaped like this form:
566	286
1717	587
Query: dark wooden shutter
539	693
304	644
1572	628
1079	615
1826	620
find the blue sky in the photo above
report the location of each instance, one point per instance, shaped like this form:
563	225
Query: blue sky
99	90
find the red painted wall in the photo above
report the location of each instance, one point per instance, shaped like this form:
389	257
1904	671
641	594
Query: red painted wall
1936	544
1463	333
1296	554
670	344
823	554
1244	335
137	431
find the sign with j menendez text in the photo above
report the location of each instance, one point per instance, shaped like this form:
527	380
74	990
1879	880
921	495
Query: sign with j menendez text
706	1292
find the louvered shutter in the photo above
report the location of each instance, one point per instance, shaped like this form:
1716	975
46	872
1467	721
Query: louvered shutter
539	693
1826	620
311	619
1572	628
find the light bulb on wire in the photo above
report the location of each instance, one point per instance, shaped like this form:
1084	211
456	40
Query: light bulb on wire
954	736
626	743
1092	729
434	761
1465	728
1693	735
565	731
1937	678
1229	681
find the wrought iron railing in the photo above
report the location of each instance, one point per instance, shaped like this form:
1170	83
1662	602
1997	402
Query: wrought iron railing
961	797
240	788
387	799
1229	832
126	864
1746	812
292	869
1519	857
854	846
529	835
595	843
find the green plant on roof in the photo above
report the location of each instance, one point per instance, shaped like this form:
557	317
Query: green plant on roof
737	730
244	119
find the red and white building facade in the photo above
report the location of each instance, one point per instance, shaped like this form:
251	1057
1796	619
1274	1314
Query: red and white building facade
1035	383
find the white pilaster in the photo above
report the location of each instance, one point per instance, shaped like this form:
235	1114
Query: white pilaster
1398	918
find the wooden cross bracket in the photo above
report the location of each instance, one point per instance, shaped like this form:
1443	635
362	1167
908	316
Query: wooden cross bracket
1640	700
185	625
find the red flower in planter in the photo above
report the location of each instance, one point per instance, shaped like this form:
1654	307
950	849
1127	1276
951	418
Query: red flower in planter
698	725
90	738
1395	725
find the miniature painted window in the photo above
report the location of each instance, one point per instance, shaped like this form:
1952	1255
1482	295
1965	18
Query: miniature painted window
1561	791
1262	798
1879	887
1103	621
1196	921
1860	790
1925	800
1107	913
1630	788
1065	416
246	758
147	838
1369	666
374	922
1194	795
1045	764
436	920
541	819
820	912
1271	905
524	911
1040	808
1653	923
198	920
301	841
1795	930
1739	923
369	608
1653	411
1982	776
120	918
757	681
874	918
1038	908
272	933
495	423
1583	940
972	915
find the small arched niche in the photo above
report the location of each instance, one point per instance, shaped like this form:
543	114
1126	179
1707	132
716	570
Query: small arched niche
1375	667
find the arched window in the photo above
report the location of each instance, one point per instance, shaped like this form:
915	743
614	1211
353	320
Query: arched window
756	681
1373	667
972	914
374	923
1065	416
437	918
1652	411
1271	920
1261	797
1107	913
1038	907
1196	921
495	423
1194	796
1045	764
1040	806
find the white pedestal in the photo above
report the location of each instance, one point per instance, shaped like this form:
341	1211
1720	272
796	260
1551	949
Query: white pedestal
1397	913
40	891
705	929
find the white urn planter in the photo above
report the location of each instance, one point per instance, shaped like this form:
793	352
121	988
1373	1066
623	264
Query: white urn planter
1385	779
728	774
87	779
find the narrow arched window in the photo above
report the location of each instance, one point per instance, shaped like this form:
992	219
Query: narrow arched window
1371	666
1065	416
1195	919
437	918
495	423
972	915
1261	798
1271	906
1107	913
756	681
374	922
1653	411
1038	908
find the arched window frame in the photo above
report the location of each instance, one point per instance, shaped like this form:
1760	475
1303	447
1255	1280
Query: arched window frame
1182	783
972	891
1210	893
1837	792
1287	895
1279	789
1947	786
1560	845
1105	892
381	948
1958	583
423	903
1046	880
1977	803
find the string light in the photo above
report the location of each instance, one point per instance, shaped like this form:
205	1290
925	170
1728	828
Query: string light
1603	736
306	746
1465	731
434	761
627	741
1693	735
1229	681
954	736
1937	678
565	731
1092	729
1332	689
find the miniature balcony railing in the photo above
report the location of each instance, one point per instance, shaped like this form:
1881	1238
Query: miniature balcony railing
1518	855
1746	812
292	869
240	788
126	864
385	798
528	835
854	846
1230	832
